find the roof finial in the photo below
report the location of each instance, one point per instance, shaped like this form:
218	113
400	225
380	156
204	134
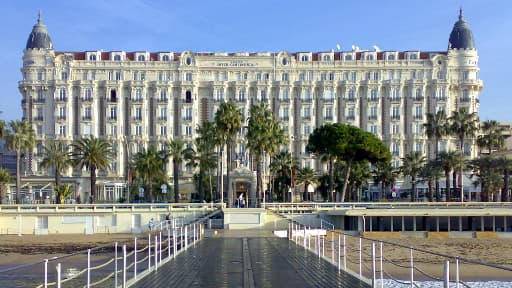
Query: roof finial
39	20
460	13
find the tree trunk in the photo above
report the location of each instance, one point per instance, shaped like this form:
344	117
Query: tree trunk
413	192
259	183
331	180
93	182
150	190
18	176
201	185
345	180
175	172
454	181
447	185
438	193
57	186
228	169
430	191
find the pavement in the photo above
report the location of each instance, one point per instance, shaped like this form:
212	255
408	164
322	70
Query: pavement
248	259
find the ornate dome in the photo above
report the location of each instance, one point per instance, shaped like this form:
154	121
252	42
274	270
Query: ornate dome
461	36
39	37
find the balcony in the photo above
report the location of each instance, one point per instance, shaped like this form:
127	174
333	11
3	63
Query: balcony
307	100
328	117
284	118
418	99
329	100
38	118
39	100
187	118
395	99
395	117
137	118
373	99
418	117
162	100
441	99
465	99
351	99
284	100
86	99
162	118
61	118
372	117
136	100
86	118
112	118
61	99
307	118
351	117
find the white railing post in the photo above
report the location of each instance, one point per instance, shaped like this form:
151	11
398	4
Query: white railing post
156	253
360	257
446	283
58	275
160	247
381	266
309	238
135	259
457	279
332	246
174	247
149	252
124	266
323	245
304	240
318	244
344	253
373	264
186	237
412	269
88	268
339	252
45	273
115	265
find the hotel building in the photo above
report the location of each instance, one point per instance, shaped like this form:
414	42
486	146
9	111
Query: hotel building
141	98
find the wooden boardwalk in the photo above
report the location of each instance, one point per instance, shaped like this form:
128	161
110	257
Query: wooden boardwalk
249	260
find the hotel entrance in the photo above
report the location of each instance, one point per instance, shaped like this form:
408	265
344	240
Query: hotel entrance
242	194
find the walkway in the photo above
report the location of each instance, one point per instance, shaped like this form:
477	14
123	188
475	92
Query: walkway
253	259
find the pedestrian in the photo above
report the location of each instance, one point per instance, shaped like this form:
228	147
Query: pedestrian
168	218
91	200
151	224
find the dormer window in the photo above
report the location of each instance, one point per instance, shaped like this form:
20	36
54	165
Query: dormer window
117	57
369	57
304	58
92	57
141	58
391	57
348	57
326	58
165	58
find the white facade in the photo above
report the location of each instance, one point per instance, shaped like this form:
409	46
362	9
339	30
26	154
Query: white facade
136	99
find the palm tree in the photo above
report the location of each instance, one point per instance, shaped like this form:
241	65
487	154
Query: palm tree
412	164
463	124
492	137
204	158
489	176
176	152
506	165
431	172
447	161
206	142
56	155
282	164
93	154
20	138
435	128
5	178
385	174
229	121
260	138
149	166
307	177
278	140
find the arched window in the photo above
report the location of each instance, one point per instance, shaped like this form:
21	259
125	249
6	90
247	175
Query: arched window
141	58
413	57
188	97
351	94
391	57
369	57
92	57
117	57
373	94
188	61
327	58
165	58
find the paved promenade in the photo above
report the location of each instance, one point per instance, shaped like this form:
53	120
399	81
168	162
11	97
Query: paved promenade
248	259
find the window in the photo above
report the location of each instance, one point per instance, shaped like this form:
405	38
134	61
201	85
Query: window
331	76
220	95
373	112
443	146
418	93
418	128
284	77
62	130
113	130
138	130
62	94
188	76
419	112
306	112
465	95
351	113
163	130
373	95
39	130
85	75
304	58
307	130
348	57
87	130
188	97
418	147
354	76
117	57
373	129
306	95
283	113
188	130
165	58
395	94
188	114
241	95
396	149
326	58
135	75
442	93
113	113
395	129
138	113
413	56
163	95
118	75
440	75
92	57
87	94
64	75
328	95
285	95
188	61
163	113
88	113
391	57
351	94
395	112
141	58
138	95
370	57
263	95
40	95
62	113
328	112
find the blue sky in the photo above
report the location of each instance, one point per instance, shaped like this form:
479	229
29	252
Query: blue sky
264	25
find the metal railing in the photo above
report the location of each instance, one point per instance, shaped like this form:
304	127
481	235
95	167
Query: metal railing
129	262
118	207
376	261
